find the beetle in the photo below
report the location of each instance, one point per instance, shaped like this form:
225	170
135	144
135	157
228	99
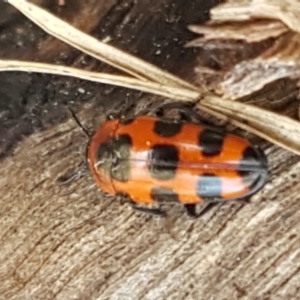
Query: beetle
158	159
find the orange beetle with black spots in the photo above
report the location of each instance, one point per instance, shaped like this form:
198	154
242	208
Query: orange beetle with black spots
154	160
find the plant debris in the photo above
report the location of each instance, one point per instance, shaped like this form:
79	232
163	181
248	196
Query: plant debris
252	22
275	19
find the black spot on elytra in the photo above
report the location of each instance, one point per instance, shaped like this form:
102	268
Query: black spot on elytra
161	194
253	159
166	129
253	169
163	161
210	141
209	186
248	162
113	157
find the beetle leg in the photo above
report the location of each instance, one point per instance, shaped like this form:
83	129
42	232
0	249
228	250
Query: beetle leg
186	113
151	211
148	210
244	200
72	175
205	207
176	105
185	110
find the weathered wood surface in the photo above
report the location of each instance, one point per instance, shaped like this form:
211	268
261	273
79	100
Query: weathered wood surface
69	241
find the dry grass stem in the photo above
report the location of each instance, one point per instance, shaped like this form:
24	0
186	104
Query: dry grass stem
273	127
123	81
286	11
276	128
247	31
89	45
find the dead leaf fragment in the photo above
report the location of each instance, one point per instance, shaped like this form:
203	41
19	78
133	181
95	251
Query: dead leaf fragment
278	62
251	76
286	11
247	31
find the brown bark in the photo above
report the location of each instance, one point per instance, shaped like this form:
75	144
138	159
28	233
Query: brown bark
65	239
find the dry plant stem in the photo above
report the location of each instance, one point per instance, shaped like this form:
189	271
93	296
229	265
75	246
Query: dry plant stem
128	82
288	12
251	76
275	128
111	55
247	31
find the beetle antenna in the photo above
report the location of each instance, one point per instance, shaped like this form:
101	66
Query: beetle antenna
84	130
